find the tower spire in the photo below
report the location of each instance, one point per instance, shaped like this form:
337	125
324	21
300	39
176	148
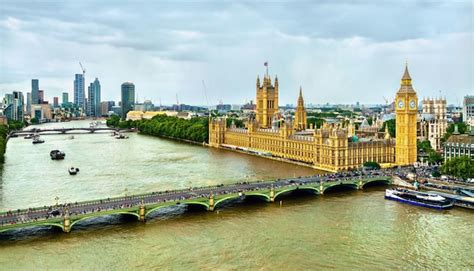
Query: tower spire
406	85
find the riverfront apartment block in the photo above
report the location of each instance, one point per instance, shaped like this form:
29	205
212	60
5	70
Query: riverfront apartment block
332	147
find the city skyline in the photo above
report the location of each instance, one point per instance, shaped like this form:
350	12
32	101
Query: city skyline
315	52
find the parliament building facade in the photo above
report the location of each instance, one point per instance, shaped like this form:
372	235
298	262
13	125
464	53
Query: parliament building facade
332	147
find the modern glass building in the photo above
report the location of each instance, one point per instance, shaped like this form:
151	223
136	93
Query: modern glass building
28	103
14	106
65	98
128	98
79	93
94	99
34	91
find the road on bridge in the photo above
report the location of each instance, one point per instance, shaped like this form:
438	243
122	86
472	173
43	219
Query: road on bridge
80	208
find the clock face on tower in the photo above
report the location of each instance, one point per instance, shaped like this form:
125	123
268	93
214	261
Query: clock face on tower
412	104
400	104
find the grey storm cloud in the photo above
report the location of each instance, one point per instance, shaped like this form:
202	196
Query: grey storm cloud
331	48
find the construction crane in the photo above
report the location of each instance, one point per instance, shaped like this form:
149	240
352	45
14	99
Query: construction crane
83	70
207	100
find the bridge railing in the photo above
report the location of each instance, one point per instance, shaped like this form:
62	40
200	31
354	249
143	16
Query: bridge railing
138	197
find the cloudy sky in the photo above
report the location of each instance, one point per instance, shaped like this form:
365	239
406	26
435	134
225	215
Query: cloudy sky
338	51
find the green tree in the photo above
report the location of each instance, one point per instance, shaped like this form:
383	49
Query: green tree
461	167
391	127
424	145
317	122
15	124
3	141
371	165
462	128
238	122
434	157
113	121
34	121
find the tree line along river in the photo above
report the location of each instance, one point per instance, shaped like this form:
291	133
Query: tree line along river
344	230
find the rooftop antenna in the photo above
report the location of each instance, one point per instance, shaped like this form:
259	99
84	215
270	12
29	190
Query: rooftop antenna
266	66
177	100
207	101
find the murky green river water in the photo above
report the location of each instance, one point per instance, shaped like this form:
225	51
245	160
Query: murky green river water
341	230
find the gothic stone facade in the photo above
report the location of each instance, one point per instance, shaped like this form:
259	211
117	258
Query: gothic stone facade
331	147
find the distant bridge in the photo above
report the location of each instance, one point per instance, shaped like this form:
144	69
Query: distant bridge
55	131
65	216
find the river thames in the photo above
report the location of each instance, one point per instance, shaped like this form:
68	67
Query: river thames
340	230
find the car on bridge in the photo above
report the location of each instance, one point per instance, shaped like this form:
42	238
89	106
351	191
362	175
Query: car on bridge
55	212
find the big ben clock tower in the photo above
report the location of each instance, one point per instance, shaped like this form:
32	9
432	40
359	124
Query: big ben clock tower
406	104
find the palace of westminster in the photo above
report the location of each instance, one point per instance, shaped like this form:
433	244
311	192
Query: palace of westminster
332	147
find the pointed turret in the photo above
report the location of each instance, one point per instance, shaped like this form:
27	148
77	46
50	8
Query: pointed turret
406	74
258	81
276	81
300	113
405	85
387	133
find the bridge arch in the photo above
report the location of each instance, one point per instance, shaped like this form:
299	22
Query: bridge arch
56	225
197	203
376	181
152	210
294	188
340	185
262	196
220	201
99	215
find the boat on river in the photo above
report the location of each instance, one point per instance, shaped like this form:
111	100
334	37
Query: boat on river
28	136
57	155
429	200
37	140
121	136
73	170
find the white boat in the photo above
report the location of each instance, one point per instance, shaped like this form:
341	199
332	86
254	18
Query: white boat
73	170
412	197
121	136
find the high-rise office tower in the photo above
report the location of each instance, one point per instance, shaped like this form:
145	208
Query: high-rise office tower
128	98
65	97
79	94
40	96
94	99
34	91
28	103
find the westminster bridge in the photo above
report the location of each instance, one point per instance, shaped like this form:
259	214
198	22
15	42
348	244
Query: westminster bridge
55	131
65	216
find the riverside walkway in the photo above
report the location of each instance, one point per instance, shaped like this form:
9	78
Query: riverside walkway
65	216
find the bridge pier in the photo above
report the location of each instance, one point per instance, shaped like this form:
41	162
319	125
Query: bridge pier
66	222
211	202
272	194
321	188
142	212
360	184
